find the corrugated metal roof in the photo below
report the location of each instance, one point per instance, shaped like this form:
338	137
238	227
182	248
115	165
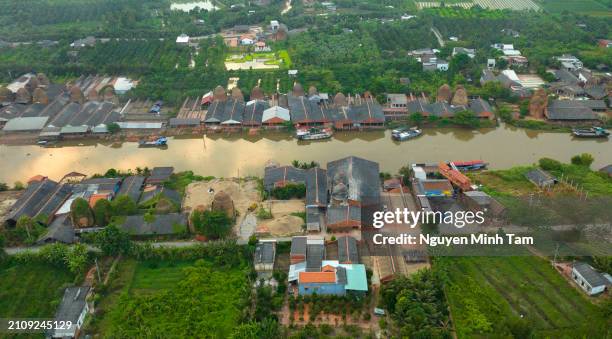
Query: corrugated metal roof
283	174
139	125
347	250
163	224
589	274
25	124
74	129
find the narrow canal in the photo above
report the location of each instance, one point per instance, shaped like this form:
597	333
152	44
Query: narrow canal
232	155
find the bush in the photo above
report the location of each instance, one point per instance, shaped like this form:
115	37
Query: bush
103	212
81	213
584	159
263	213
19	186
113	241
113	128
467	119
212	224
124	205
289	191
221	252
549	164
3	187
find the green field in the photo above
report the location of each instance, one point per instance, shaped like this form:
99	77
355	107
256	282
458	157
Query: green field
181	298
32	290
576	6
488	294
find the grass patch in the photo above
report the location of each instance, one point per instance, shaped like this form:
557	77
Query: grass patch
504	182
179	181
597	184
153	276
180	298
487	293
284	55
31	290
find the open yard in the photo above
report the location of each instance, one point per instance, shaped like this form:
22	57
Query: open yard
178	297
32	290
488	294
258	60
285	220
243	194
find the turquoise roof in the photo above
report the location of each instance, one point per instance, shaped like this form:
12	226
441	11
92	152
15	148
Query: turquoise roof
356	278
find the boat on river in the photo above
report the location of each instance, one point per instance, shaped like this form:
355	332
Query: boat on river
314	133
593	132
158	142
472	165
403	134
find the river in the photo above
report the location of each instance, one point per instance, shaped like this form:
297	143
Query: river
232	155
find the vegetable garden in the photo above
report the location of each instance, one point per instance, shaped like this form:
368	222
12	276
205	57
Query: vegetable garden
491	295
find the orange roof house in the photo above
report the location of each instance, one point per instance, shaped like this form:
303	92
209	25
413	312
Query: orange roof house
95	197
318	277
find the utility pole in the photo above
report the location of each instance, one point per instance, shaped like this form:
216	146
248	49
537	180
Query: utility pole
98	270
556	253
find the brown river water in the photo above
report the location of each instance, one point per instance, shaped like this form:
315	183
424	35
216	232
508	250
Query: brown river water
240	155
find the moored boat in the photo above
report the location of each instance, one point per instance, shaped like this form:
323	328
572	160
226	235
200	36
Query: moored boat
158	142
472	165
313	133
403	134
593	132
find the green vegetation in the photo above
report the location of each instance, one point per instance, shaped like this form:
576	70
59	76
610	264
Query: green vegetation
123	205
280	58
181	299
103	212
592	7
513	296
289	191
351	51
212	224
31	290
27	230
417	305
512	181
304	165
113	128
263	213
112	241
80	213
179	181
584	159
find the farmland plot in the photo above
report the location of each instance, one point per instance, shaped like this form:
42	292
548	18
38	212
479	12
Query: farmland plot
577	6
517	5
484	293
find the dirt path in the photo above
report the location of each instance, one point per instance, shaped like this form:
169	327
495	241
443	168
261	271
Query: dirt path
287	7
438	36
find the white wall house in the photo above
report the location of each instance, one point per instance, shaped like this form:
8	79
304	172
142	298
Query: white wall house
182	39
73	308
591	281
247	41
442	65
